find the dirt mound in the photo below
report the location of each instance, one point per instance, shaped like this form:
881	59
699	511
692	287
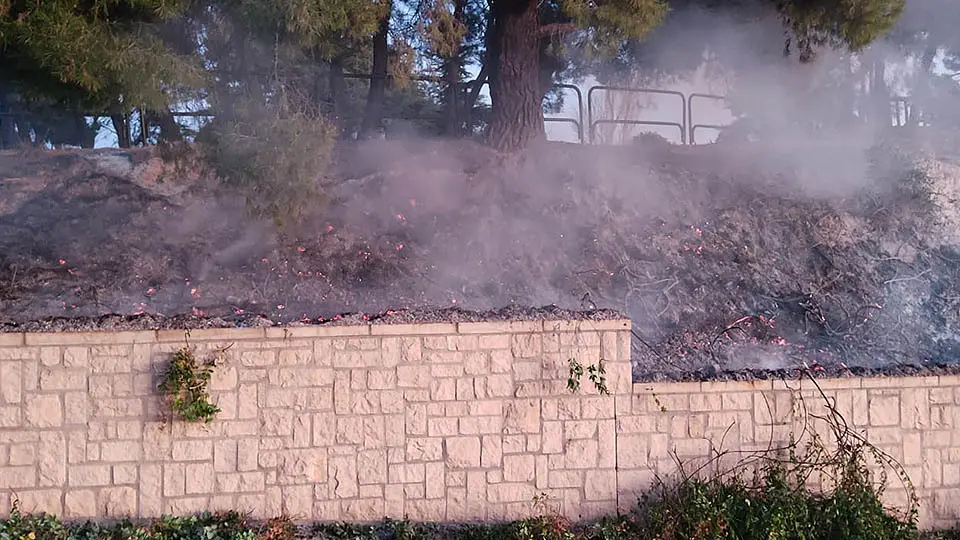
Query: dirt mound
727	258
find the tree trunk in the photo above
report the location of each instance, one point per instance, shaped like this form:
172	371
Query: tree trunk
122	127
452	69
880	93
169	128
8	133
373	112
338	91
517	119
87	138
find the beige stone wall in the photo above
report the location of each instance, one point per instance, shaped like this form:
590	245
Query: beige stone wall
914	420
434	422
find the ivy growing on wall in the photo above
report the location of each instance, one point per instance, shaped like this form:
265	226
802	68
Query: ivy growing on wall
185	384
597	374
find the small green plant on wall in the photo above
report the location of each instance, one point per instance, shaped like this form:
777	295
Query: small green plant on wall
185	384
595	372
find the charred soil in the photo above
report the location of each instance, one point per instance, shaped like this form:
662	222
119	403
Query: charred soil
732	261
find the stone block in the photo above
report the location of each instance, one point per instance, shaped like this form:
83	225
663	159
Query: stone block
119	451
600	485
435	481
738	401
192	450
22	454
511	492
44	411
491	451
201	478
884	410
527	345
462	452
522	416
581	454
343	477
580	429
125	474
519	468
702	401
11	378
413	376
18	477
424	449
297	502
481	425
151	489
372	467
89	475
37	501
80	503
117	407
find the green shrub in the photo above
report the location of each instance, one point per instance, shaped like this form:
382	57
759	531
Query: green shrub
205	526
272	154
31	527
773	501
185	384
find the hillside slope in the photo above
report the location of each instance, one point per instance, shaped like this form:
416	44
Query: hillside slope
725	257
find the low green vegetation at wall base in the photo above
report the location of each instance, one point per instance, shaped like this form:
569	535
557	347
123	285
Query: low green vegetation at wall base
773	508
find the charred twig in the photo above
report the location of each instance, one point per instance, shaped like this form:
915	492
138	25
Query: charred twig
911	278
652	349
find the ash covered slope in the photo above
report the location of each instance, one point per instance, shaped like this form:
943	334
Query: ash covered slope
725	257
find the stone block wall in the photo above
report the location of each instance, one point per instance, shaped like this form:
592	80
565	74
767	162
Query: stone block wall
913	420
451	422
434	422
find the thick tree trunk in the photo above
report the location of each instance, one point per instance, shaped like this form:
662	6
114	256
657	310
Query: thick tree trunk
338	91
122	127
8	133
86	137
373	112
517	119
452	69
169	128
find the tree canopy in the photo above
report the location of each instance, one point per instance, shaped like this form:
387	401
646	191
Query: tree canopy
352	62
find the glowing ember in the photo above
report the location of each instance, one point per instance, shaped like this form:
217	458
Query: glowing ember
399	246
329	228
413	202
401	218
195	292
150	291
301	249
197	312
281	306
62	262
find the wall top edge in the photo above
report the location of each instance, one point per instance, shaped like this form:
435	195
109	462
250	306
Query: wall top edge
825	383
91	337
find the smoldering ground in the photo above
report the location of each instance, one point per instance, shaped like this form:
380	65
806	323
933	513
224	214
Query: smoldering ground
825	247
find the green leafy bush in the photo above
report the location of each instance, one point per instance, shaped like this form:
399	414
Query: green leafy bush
272	154
185	384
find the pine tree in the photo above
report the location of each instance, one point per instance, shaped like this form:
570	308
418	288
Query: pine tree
518	28
102	56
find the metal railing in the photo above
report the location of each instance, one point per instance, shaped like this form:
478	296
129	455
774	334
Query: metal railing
682	126
694	127
585	122
901	111
578	121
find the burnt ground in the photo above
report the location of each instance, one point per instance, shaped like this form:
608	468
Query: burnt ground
732	261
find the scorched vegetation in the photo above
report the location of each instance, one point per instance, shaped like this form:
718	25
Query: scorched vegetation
729	257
